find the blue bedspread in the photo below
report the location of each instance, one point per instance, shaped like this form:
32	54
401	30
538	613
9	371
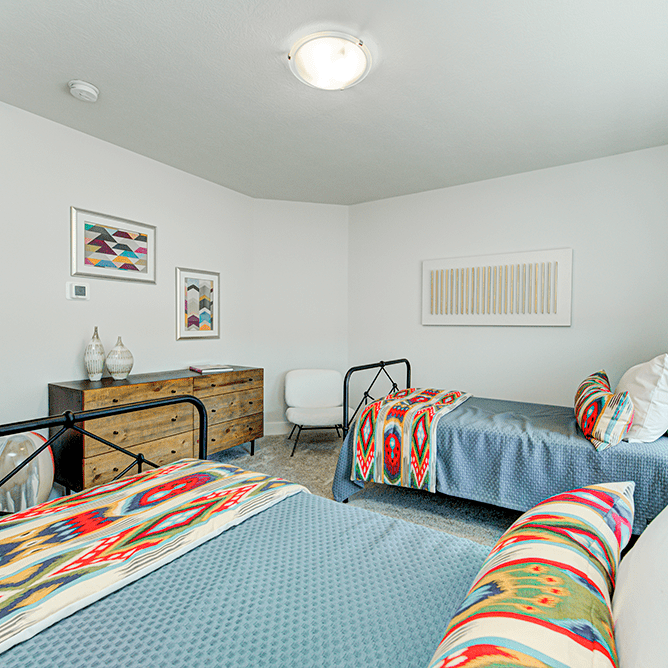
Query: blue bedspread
307	583
514	454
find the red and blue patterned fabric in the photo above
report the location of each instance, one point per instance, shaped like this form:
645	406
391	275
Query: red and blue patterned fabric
542	598
395	437
60	556
603	416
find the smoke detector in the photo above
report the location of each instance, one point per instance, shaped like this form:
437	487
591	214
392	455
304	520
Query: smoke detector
83	90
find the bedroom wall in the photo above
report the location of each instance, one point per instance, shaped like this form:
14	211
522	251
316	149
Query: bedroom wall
276	259
612	212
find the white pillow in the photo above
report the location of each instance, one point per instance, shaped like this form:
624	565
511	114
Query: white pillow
639	605
647	385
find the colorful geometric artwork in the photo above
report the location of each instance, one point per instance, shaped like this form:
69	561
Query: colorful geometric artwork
108	247
199	305
115	248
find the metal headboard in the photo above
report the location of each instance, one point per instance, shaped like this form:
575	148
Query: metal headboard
69	420
382	369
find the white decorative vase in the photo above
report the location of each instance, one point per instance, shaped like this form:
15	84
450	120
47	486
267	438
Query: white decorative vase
119	361
33	483
94	357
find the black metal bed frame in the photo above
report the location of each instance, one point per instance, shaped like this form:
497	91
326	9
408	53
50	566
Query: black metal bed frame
382	369
69	420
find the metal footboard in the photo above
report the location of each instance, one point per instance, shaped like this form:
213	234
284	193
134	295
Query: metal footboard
366	398
69	420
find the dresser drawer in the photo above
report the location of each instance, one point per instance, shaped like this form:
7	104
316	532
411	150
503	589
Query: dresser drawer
232	405
234	432
207	385
117	395
147	425
103	468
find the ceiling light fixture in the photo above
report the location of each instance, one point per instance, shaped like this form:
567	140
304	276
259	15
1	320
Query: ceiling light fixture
330	60
83	90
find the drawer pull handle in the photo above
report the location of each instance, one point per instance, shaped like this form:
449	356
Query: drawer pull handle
115	470
213	385
115	433
174	419
213	440
173	452
115	401
213	410
173	391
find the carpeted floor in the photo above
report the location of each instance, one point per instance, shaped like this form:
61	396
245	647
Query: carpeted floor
313	466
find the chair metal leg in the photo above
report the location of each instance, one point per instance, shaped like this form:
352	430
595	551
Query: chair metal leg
294	447
336	426
252	443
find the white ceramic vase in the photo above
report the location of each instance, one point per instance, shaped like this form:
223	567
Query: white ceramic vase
94	357
119	361
33	483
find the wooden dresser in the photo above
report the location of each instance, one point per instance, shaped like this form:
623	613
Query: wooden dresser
233	399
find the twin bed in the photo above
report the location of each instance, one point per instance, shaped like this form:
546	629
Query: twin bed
514	455
203	564
253	571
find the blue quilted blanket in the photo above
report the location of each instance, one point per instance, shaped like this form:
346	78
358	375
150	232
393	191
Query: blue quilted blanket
514	454
294	586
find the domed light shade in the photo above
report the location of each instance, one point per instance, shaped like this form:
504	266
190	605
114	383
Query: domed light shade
330	60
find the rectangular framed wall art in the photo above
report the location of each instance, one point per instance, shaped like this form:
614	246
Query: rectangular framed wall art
197	304
527	288
108	247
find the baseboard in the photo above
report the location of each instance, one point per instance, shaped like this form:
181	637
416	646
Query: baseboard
277	428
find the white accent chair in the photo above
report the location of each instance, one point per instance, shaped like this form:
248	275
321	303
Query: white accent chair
315	400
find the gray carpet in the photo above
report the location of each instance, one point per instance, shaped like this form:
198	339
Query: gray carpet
313	466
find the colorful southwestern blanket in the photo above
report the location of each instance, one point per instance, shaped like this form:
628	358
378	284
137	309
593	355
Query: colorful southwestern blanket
63	555
395	437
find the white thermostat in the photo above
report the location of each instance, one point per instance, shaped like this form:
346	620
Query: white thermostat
77	290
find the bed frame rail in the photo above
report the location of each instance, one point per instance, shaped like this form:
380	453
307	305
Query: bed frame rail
366	398
69	420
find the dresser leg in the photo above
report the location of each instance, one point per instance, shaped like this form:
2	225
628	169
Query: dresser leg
252	447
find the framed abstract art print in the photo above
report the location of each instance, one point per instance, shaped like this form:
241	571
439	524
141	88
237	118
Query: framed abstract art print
108	247
197	304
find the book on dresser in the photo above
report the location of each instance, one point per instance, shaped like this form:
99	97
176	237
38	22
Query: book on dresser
211	368
234	401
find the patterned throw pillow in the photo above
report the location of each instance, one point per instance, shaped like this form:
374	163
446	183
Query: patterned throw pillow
604	417
542	596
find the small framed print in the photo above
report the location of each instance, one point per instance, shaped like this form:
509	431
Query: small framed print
108	247
197	304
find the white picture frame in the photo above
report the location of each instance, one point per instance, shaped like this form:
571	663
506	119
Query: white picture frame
197	304
512	289
108	247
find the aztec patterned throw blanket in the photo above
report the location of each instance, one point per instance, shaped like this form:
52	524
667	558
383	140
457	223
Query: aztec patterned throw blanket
60	556
395	437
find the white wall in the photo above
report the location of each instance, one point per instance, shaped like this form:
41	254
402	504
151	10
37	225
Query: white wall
613	212
283	268
303	286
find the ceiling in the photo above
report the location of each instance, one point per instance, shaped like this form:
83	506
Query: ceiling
459	91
